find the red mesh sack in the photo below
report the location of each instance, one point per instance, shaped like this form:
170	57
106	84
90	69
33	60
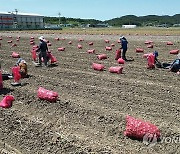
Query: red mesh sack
91	51
61	49
169	43
35	47
118	54
112	44
106	41
14	45
145	55
52	58
151	61
57	39
175	51
116	69
1	80
7	101
102	56
32	43
139	50
48	95
34	55
16	73
81	39
147	42
150	46
98	67
121	61
49	44
79	46
10	41
15	55
108	48
138	128
91	43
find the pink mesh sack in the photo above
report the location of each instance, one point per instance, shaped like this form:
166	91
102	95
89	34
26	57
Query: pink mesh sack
91	51
138	128
34	55
79	46
108	48
139	50
52	58
7	101
116	69
150	46
16	73
118	54
15	55
175	51
98	67
102	56
48	95
145	55
169	43
61	49
121	61
151	61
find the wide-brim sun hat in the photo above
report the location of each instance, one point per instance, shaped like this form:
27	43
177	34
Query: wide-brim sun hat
121	37
41	38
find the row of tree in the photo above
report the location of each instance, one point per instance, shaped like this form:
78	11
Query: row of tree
150	20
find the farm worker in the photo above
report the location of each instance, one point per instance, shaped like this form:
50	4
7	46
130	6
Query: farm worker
157	62
19	71
23	67
22	70
153	60
124	46
175	66
42	49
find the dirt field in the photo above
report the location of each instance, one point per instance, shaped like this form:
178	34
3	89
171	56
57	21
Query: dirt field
89	116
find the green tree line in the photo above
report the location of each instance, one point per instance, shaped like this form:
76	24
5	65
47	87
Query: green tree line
149	20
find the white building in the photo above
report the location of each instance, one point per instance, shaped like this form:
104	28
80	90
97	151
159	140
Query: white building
21	21
129	26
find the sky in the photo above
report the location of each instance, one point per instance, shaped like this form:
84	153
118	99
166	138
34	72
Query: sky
92	9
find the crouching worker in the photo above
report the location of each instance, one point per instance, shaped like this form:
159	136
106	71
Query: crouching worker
19	71
23	67
175	66
153	60
156	61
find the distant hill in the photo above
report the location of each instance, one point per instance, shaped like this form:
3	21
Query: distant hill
149	20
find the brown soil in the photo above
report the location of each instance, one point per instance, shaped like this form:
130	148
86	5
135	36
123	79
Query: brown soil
89	116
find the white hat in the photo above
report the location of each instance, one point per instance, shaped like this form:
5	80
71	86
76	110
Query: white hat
178	56
23	61
41	38
121	37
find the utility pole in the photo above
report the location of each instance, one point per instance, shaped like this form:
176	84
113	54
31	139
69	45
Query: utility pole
59	18
15	18
16	11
